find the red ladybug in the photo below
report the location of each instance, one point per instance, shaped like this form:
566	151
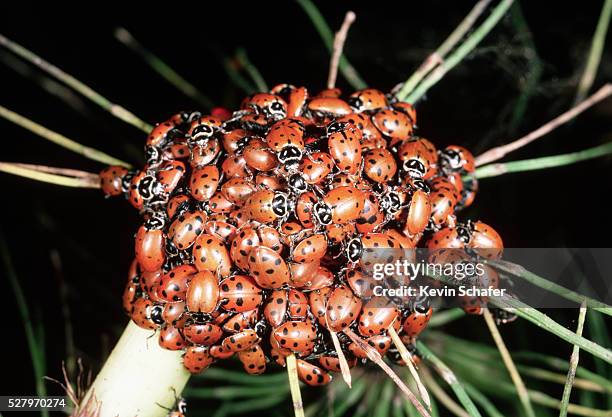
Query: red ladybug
344	142
376	317
258	156
456	158
149	248
204	154
242	245
202	293
237	190
240	341
393	124
297	336
342	308
203	129
196	359
173	285
203	182
345	204
311	374
265	206
111	180
253	360
186	228
241	321
371	216
171	338
379	165
418	318
309	249
419	158
239	293
271	106
368	99
203	334
211	254
268	268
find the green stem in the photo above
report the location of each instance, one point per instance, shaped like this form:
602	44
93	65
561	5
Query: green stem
538	281
597	46
493	170
521	389
483	400
251	69
317	19
234	392
34	345
439	54
571	373
163	69
599	331
58	139
236	77
450	378
440	318
75	84
460	53
543	321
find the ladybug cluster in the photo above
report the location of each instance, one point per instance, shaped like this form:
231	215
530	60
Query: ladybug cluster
255	222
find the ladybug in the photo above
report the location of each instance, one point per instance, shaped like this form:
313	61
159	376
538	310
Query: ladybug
311	374
393	124
468	194
170	174
297	336
239	293
419	212
419	158
203	129
172	312
241	321
177	205
171	338
242	244
268	268
253	360
205	153
376	317
309	249
449	237
305	210
186	228
456	158
240	341
418	318
265	206
368	99
220	228
141	314
345	204
342	308
315	168
210	254
218	352
344	143
237	190
219	204
196	359
202	293
111	180
297	184
162	133
270	238
271	106
173	285
302	275
298	304
203	182
407	109
365	125
322	278
443	200
149	248
328	107
234	140
202	334
336	233
258	156
487	242
286	138
381	342
361	283
332	363
354	250
379	165
235	166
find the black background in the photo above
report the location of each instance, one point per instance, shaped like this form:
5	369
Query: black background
471	106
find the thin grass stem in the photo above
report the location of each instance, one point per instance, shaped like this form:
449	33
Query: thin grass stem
571	373
245	62
32	172
441	395
339	40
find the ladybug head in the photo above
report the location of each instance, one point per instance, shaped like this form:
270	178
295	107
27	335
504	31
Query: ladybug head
335	127
356	103
297	183
275	110
201	133
156	220
323	213
290	154
421	304
156	314
414	168
451	159
421	184
280	204
354	250
153	155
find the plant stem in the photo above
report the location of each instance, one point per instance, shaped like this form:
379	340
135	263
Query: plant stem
439	54
339	40
499	152
460	53
510	366
251	69
496	169
129	384
87	180
294	385
34	343
597	45
446	316
450	378
163	69
75	84
317	19
482	399
599	331
442	396
538	281
571	373
58	139
231	66
543	321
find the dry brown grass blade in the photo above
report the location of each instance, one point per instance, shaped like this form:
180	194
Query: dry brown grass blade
294	386
339	41
345	370
375	357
